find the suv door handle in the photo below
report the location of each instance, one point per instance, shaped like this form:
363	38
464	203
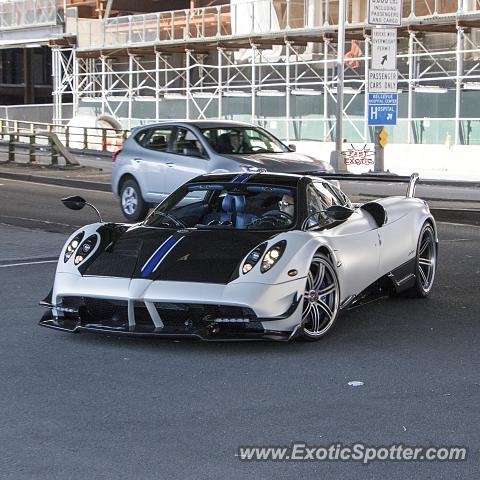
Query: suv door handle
137	159
170	164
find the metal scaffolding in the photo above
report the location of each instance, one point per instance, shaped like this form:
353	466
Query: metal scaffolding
269	77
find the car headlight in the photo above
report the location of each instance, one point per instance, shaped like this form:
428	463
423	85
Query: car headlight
272	256
85	249
253	258
72	246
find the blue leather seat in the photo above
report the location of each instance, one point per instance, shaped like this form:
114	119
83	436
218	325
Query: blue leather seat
233	210
242	218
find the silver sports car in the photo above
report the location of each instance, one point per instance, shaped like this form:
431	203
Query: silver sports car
242	256
156	159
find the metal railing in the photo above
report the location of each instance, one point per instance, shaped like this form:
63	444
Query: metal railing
35	148
240	18
36	135
16	14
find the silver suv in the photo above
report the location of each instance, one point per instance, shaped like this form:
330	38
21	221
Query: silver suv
156	159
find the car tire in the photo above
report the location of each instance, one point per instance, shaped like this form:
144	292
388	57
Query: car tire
321	298
425	264
134	207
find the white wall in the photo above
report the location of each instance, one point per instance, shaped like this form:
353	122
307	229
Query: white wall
458	162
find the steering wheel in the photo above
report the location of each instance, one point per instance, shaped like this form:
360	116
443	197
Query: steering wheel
273	218
174	219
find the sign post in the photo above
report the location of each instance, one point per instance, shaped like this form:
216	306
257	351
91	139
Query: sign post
342	11
383	75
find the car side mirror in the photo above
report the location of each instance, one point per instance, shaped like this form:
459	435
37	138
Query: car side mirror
292	147
77	203
338	212
192	152
74	203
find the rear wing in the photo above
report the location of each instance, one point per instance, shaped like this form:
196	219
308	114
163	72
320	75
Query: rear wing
371	177
412	185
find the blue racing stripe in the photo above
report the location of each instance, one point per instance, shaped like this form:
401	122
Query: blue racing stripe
242	178
159	255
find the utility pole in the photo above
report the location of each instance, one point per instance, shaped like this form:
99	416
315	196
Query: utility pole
339	165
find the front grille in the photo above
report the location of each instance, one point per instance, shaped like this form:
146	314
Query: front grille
181	314
178	317
104	311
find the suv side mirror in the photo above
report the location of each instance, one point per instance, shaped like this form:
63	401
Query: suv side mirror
338	212
292	147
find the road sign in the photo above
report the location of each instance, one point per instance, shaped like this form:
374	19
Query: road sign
382	108
385	12
382	81
384	48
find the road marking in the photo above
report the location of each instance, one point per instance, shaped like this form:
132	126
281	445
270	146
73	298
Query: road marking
28	263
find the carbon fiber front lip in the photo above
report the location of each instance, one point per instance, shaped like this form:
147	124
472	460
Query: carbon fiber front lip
73	325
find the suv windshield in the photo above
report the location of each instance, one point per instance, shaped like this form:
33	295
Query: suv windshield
227	206
242	140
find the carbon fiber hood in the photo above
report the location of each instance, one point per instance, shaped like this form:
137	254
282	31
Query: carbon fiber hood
210	256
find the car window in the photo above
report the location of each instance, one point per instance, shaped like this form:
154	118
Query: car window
242	140
315	202
342	199
229	206
328	196
140	136
186	142
158	139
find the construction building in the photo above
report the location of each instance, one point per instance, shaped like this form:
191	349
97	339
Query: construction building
270	62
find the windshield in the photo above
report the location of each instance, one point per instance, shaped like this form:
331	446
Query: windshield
227	206
242	140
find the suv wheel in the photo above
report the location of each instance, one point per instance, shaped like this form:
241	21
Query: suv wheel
133	205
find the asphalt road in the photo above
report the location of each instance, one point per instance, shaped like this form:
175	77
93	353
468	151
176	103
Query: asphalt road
35	205
102	407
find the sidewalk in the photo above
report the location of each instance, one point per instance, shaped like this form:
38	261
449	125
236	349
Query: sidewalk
450	200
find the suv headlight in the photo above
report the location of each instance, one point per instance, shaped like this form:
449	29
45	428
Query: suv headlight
72	246
253	258
85	249
272	256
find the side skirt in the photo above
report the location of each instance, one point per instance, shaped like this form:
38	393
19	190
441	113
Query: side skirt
398	280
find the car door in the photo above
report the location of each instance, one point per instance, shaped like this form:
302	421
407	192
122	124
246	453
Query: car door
152	162
355	242
398	237
185	159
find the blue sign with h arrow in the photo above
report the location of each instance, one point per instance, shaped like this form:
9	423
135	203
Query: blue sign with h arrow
382	108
